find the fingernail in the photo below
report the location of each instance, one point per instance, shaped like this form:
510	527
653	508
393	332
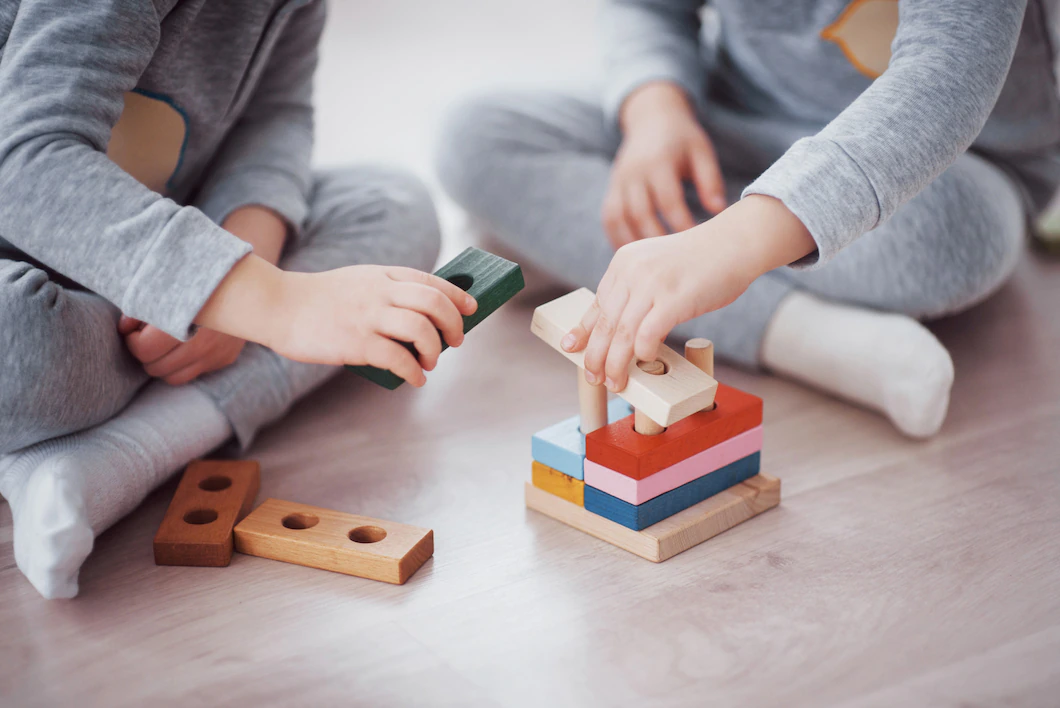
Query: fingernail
609	383
568	342
590	377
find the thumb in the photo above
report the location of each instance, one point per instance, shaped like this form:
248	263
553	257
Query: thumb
127	325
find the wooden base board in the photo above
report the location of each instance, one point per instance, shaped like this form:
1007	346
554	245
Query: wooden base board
673	535
213	495
331	540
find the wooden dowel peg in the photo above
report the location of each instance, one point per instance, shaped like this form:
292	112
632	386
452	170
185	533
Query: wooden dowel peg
700	352
642	423
592	404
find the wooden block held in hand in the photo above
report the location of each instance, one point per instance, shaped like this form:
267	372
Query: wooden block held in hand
670	536
213	495
618	447
490	279
666	399
555	482
331	540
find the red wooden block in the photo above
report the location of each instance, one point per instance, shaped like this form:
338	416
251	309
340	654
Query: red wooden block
618	447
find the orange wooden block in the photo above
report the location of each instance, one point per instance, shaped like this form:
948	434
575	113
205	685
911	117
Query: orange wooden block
555	482
332	540
620	448
213	495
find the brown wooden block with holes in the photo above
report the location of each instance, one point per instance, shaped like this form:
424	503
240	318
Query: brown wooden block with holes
213	495
331	540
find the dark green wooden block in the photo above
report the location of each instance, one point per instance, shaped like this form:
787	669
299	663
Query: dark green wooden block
490	279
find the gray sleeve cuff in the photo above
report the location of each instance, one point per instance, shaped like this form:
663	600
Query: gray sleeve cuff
187	262
827	190
624	81
263	187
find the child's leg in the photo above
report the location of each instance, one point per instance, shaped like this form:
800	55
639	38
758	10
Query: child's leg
950	247
70	489
535	168
64	366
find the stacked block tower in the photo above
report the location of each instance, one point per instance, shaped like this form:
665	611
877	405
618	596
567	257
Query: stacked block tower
673	462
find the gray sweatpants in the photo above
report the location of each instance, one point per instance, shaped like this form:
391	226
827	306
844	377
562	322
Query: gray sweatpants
65	368
534	167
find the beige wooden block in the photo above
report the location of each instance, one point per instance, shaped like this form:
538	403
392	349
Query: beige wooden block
666	399
672	535
331	540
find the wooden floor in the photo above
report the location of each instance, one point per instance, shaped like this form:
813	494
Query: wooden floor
894	572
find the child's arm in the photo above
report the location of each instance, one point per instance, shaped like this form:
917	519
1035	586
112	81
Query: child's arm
177	362
66	68
354	315
949	62
257	189
654	84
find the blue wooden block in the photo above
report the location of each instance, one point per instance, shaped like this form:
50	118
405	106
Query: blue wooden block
641	516
562	446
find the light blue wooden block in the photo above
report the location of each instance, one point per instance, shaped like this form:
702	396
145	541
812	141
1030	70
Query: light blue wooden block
562	446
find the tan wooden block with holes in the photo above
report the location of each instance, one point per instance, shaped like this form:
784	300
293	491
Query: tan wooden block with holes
674	534
213	495
679	391
331	540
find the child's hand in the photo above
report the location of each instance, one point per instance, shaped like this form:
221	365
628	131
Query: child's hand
357	315
174	361
663	144
653	285
354	315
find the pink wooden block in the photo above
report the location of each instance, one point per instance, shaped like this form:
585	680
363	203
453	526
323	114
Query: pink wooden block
638	491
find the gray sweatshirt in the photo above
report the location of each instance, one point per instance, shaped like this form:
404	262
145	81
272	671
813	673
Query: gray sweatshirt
893	91
129	129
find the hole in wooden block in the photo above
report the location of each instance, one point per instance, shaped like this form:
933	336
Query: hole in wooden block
367	534
462	281
198	517
215	483
655	368
300	522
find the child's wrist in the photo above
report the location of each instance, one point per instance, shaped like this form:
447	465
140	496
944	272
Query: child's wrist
769	234
245	303
647	103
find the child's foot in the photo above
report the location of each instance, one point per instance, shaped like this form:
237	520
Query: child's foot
887	362
64	491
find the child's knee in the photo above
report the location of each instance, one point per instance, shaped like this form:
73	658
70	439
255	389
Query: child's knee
27	297
392	204
985	220
473	133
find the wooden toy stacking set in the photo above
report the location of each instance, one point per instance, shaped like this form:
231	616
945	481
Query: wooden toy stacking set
682	467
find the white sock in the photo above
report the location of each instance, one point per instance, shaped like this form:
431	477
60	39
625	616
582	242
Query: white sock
887	362
65	491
